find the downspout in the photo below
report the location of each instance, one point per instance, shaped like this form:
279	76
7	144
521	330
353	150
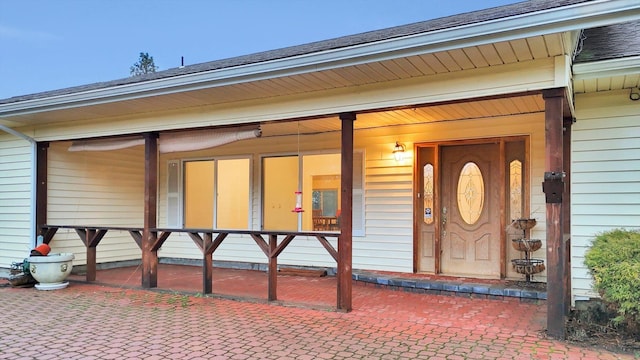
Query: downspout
34	167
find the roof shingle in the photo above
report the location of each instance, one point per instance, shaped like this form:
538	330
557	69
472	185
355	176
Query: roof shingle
610	42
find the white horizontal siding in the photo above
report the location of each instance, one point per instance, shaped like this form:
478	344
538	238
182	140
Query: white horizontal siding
605	180
388	244
96	189
106	189
388	241
242	248
15	199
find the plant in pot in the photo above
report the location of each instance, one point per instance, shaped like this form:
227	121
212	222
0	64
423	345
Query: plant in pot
50	270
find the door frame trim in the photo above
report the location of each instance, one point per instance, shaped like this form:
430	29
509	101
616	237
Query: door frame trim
417	212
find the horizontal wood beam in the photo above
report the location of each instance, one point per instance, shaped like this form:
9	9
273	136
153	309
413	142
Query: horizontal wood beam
244	232
92	227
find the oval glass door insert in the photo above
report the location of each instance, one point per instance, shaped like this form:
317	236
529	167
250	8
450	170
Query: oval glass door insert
470	193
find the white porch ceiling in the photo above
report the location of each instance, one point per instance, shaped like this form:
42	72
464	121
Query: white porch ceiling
414	115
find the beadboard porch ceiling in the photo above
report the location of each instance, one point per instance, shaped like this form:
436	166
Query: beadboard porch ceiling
524	104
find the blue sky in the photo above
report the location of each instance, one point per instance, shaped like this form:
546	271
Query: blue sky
47	45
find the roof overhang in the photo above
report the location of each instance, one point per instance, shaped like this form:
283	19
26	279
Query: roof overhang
607	68
562	19
606	75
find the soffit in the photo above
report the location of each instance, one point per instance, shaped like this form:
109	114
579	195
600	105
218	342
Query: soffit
607	75
498	107
427	64
607	83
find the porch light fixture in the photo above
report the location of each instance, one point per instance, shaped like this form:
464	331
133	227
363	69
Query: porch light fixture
634	95
398	151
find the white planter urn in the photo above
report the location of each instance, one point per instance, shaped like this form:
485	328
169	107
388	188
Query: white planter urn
50	271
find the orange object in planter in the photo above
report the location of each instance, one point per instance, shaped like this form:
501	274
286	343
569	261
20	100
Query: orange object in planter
42	249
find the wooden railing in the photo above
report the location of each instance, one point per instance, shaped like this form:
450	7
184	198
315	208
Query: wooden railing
203	238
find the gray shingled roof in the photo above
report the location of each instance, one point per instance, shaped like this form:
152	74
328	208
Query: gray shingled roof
319	46
610	42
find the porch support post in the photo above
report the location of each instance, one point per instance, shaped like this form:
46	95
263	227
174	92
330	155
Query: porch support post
149	255
92	254
346	214
273	268
553	187
41	186
207	266
566	209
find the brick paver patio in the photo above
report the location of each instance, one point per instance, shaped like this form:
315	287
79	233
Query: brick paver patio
93	321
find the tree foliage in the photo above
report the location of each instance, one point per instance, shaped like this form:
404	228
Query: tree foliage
145	65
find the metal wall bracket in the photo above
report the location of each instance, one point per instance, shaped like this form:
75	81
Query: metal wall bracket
553	186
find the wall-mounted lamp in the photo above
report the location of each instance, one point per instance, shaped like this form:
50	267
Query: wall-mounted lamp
634	95
398	151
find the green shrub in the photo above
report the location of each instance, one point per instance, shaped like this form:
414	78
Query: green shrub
614	263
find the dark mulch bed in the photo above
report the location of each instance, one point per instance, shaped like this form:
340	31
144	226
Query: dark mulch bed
592	326
532	285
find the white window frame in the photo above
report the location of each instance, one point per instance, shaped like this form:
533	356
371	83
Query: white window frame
178	223
358	211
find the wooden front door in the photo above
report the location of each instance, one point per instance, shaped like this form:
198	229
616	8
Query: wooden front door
470	210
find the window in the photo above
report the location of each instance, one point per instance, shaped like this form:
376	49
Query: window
325	202
427	180
279	183
233	188
515	171
515	189
326	208
199	194
215	193
318	178
470	193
